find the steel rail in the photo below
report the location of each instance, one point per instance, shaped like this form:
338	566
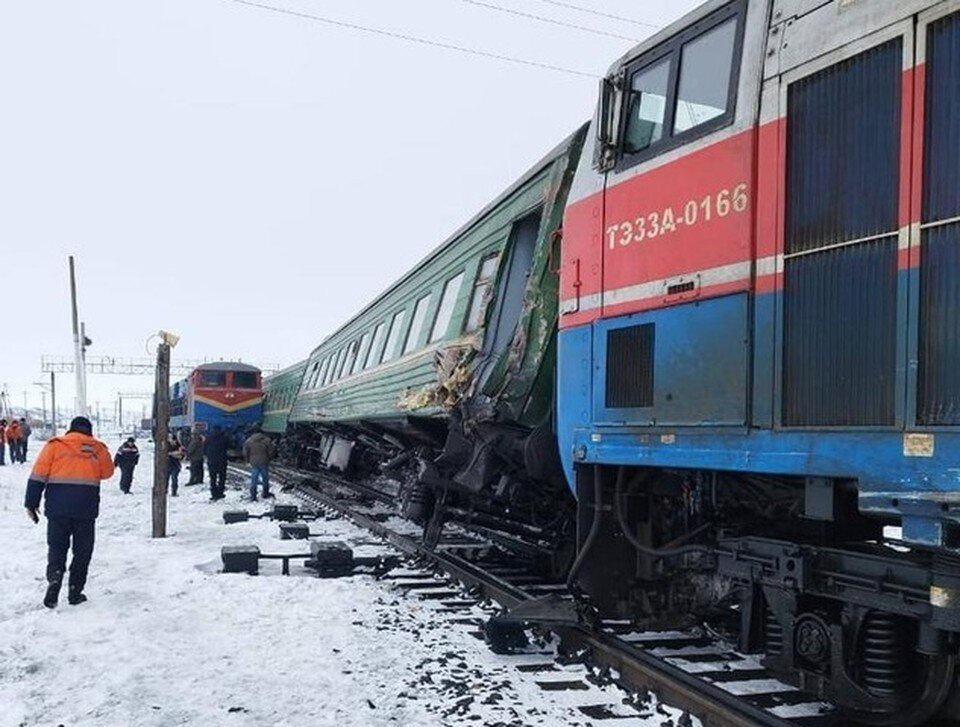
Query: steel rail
637	668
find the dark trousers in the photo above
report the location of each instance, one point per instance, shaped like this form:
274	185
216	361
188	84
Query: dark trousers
126	478
218	478
14	450
196	472
60	532
173	473
23	449
2	450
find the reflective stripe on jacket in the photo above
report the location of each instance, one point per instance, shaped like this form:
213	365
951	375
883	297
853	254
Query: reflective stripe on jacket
69	469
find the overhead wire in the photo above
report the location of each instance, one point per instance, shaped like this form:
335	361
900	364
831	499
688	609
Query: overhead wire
600	13
544	19
490	55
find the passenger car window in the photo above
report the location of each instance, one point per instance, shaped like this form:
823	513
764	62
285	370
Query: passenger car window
328	377
320	376
705	65
647	106
488	269
419	317
375	346
393	338
335	368
448	300
361	353
351	357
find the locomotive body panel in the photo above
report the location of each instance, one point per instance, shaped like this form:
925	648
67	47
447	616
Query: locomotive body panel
831	268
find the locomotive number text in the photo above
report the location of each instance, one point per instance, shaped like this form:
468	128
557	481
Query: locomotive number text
667	221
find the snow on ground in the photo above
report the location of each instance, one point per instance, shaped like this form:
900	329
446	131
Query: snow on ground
167	640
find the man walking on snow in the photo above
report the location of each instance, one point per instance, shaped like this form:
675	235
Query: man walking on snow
68	472
126	459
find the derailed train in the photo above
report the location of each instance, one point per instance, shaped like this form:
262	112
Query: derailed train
743	355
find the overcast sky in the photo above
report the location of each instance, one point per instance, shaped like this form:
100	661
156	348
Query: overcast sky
250	179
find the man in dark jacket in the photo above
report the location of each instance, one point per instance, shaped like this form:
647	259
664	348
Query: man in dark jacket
215	448
258	450
67	474
126	459
195	458
25	431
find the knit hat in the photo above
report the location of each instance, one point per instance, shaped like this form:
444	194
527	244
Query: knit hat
82	425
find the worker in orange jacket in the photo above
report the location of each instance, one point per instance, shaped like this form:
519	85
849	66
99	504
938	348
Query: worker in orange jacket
68	472
13	441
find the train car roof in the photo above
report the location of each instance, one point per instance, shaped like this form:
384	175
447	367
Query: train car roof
226	366
544	162
292	368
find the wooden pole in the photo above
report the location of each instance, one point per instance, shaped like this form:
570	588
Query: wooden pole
161	423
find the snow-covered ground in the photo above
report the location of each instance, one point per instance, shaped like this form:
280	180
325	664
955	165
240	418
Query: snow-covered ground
166	639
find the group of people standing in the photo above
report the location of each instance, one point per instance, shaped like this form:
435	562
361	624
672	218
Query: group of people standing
213	448
15	435
258	451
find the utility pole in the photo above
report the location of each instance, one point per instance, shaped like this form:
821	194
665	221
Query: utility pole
161	421
78	345
53	404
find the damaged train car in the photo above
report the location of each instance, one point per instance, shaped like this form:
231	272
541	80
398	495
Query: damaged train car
440	392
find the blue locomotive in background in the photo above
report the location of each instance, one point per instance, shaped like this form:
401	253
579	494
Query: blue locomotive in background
224	394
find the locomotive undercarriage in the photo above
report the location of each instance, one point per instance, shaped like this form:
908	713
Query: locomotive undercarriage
788	567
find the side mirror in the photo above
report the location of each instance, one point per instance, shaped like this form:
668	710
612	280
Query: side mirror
607	123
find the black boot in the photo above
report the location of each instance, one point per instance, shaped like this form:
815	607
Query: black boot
52	595
75	596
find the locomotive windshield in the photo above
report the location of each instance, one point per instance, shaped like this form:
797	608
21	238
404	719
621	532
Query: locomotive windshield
245	379
213	379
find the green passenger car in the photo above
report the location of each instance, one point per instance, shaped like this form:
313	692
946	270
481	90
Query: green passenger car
279	392
454	363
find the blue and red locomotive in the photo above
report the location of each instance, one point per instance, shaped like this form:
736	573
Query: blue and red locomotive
225	394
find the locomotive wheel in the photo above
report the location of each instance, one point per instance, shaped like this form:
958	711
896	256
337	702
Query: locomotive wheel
925	705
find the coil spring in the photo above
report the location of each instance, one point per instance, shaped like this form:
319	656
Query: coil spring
773	634
885	654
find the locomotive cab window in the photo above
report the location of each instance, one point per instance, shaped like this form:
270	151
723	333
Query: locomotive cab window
648	106
213	379
684	88
244	379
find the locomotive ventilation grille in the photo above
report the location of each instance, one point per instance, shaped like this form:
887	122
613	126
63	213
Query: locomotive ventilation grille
630	367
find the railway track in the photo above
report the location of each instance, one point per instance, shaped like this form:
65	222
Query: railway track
694	671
